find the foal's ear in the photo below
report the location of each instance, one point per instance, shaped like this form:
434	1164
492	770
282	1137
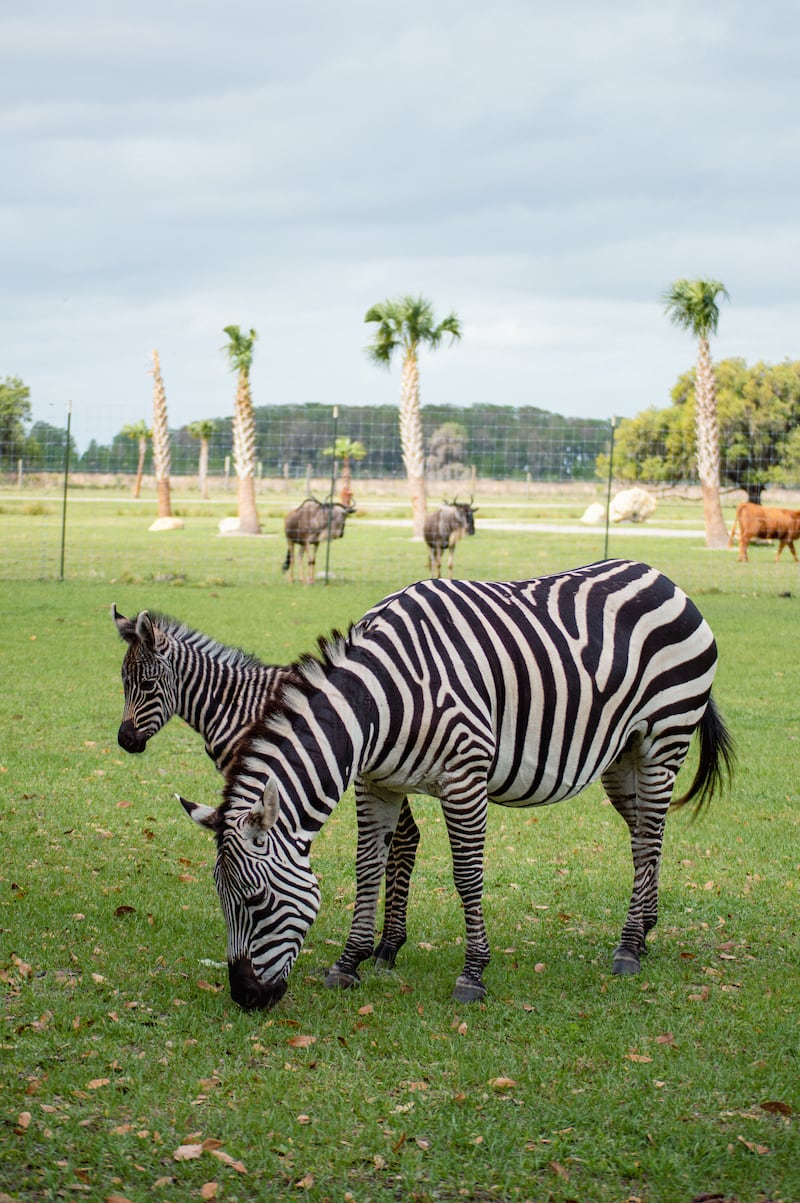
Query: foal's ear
206	816
126	628
145	630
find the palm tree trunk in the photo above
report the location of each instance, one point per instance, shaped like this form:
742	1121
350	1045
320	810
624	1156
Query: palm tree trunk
411	443
202	468
244	458
161	450
137	486
346	489
708	459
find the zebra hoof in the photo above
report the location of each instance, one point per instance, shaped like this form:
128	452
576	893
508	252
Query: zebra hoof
385	957
337	979
625	962
467	990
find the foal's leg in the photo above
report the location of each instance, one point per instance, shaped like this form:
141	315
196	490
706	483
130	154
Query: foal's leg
640	791
399	868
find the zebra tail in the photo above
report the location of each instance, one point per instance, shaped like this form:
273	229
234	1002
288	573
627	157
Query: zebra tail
717	760
287	562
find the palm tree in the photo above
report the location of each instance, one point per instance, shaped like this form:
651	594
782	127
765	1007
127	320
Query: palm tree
409	323
141	432
160	434
240	356
692	305
346	450
202	430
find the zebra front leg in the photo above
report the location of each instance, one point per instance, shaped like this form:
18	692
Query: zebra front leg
399	867
377	818
466	829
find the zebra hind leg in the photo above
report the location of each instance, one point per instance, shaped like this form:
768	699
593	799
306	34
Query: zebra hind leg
641	795
466	829
399	867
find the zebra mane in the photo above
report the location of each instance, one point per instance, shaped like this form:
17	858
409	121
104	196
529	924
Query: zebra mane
173	628
304	677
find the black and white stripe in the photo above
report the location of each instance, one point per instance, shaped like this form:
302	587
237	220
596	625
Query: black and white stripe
170	669
219	691
517	693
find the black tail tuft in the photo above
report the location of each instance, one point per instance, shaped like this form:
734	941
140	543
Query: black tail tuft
287	562
717	760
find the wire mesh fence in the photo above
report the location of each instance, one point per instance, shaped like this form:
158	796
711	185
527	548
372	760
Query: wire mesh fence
541	484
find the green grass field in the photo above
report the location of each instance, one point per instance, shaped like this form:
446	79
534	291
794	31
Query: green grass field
127	1073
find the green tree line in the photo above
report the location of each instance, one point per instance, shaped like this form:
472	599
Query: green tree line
494	440
758	411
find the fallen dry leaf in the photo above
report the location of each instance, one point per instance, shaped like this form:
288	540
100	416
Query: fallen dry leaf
226	1159
209	1190
301	1041
23	1122
776	1108
187	1152
753	1147
306	1182
304	1119
367	1009
502	1083
96	1083
639	1057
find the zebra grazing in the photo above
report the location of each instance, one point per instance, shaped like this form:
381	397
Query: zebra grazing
170	669
446	527
516	693
307	526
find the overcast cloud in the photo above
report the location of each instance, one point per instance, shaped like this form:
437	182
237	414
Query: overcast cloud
170	168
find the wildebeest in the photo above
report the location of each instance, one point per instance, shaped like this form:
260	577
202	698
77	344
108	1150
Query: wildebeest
307	526
765	522
444	528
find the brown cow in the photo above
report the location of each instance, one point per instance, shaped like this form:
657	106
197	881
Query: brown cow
765	522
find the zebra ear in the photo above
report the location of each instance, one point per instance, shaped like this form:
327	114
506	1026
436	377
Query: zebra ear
126	628
145	630
264	813
206	816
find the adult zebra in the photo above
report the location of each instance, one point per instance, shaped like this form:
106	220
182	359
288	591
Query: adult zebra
171	669
519	693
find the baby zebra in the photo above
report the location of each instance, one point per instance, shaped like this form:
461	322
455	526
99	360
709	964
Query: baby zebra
518	693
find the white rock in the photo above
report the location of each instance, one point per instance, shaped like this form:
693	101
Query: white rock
594	514
632	505
229	526
167	524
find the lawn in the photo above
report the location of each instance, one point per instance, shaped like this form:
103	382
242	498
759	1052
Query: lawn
127	1072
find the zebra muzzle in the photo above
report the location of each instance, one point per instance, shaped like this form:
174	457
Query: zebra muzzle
129	738
249	991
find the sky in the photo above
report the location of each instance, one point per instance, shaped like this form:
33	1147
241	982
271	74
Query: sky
173	167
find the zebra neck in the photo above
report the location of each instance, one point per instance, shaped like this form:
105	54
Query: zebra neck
219	695
314	750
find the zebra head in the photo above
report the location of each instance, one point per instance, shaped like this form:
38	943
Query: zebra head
269	894
147	678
